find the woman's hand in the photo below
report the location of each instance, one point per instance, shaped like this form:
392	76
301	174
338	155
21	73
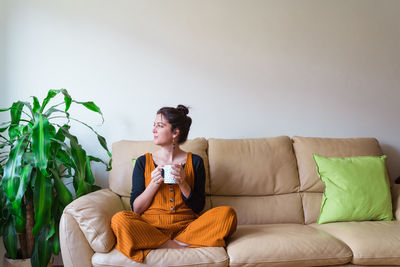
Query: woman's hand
179	174
180	178
156	177
143	201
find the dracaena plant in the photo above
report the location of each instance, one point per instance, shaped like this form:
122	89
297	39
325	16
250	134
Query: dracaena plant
38	155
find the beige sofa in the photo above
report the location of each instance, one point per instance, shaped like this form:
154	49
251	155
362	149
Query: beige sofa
273	186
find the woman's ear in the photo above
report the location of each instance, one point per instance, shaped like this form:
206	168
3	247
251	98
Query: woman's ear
176	133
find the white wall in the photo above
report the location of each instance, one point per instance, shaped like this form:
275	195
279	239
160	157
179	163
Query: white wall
3	91
247	68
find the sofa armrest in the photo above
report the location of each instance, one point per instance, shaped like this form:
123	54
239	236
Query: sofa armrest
396	200
75	249
92	213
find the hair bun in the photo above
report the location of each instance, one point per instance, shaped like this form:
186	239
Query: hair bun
183	109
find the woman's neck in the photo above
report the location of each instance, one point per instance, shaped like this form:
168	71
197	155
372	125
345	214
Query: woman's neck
168	155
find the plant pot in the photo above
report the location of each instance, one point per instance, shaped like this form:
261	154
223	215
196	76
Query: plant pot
22	263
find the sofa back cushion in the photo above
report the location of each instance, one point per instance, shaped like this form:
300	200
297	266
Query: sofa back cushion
257	177
311	187
120	177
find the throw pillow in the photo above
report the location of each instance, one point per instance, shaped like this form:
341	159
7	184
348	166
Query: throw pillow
357	189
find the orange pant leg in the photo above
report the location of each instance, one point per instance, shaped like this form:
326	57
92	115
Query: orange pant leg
135	237
210	229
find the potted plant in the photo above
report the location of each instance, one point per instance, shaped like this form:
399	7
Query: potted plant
38	153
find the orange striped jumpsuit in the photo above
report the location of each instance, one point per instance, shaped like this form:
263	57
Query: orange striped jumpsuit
168	217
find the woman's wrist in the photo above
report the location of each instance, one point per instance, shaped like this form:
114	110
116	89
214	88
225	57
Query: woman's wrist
153	186
185	189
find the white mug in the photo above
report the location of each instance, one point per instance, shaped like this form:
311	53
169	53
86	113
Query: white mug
168	176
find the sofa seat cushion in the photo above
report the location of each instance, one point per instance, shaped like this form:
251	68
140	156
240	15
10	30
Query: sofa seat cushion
372	242
207	256
285	245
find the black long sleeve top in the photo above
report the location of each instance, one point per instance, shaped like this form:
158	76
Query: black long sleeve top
196	199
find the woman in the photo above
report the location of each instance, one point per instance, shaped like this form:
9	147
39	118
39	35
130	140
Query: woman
167	215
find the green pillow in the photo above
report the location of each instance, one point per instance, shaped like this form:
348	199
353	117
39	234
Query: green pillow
133	162
357	189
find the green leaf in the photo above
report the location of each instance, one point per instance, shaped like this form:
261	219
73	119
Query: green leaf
15	131
89	175
95	188
16	204
29	158
15	128
53	236
63	194
55	240
42	132
50	94
19	213
3	129
52	229
4	109
12	170
42	250
25	179
109	165
103	143
96	159
43	199
63	157
10	239
36	104
4	125
60	134
16	111
78	159
67	99
83	188
91	106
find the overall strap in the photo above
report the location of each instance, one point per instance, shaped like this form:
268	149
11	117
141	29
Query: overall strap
148	169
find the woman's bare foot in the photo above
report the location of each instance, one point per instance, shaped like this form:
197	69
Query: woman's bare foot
181	243
173	244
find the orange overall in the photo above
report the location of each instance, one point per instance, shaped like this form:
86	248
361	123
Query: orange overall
167	218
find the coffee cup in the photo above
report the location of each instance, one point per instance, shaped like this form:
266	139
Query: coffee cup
168	174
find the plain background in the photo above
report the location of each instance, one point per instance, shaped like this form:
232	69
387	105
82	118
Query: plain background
248	69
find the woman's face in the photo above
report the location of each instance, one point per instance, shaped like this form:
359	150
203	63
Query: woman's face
162	134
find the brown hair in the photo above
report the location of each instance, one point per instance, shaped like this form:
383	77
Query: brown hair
178	119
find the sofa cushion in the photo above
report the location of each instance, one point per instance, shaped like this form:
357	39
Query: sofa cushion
254	176
357	189
252	167
120	177
304	147
208	256
285	245
372	243
311	206
264	209
93	213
